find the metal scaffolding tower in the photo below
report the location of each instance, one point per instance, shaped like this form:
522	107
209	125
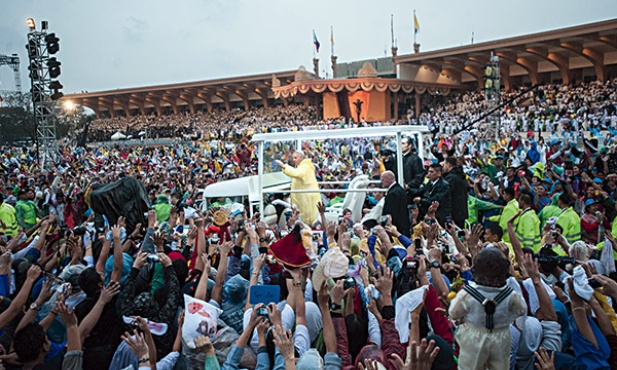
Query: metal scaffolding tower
43	69
13	62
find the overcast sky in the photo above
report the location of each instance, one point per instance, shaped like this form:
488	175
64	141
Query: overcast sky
128	43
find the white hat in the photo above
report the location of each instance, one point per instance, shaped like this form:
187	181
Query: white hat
333	264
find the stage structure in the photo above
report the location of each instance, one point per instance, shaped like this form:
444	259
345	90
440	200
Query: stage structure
366	98
256	196
12	61
45	89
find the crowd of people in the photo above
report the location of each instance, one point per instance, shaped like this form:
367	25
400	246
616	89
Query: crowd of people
492	253
541	109
203	124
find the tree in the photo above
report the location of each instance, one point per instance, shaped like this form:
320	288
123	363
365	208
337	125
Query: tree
16	120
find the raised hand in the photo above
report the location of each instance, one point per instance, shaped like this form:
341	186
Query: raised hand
384	281
33	273
110	291
45	293
368	365
115	232
321	208
136	343
226	247
338	292
474	237
420	359
204	344
142	325
283	340
164	259
121	221
261	227
259	263
274	314
136	232
262	329
158	239
68	316
140	260
323	296
206	261
151	219
433	208
609	286
546	362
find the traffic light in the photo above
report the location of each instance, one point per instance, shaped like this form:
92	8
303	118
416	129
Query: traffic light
54	67
52	42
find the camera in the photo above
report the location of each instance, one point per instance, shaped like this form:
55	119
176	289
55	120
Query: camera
315	237
594	283
214	240
383	221
418	246
461	234
262	312
349	283
79	231
411	263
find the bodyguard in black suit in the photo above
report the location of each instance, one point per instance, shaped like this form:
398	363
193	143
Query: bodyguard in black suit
395	204
435	190
455	176
413	169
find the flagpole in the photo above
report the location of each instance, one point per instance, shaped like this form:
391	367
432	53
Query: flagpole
414	26
313	42
392	28
331	40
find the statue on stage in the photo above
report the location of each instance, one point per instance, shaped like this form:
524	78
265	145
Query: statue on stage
358	103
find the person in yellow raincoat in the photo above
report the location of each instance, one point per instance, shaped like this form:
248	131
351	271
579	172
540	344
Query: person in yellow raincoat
303	178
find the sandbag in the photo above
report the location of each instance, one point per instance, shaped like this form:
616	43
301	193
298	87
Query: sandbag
126	197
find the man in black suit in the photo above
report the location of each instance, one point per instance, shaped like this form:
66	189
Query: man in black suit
413	169
435	190
395	204
455	176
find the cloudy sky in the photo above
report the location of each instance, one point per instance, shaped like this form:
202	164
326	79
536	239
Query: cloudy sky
126	43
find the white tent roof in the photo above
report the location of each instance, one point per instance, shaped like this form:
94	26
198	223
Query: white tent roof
118	135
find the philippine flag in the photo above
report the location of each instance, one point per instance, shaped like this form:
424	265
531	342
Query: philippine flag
315	41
